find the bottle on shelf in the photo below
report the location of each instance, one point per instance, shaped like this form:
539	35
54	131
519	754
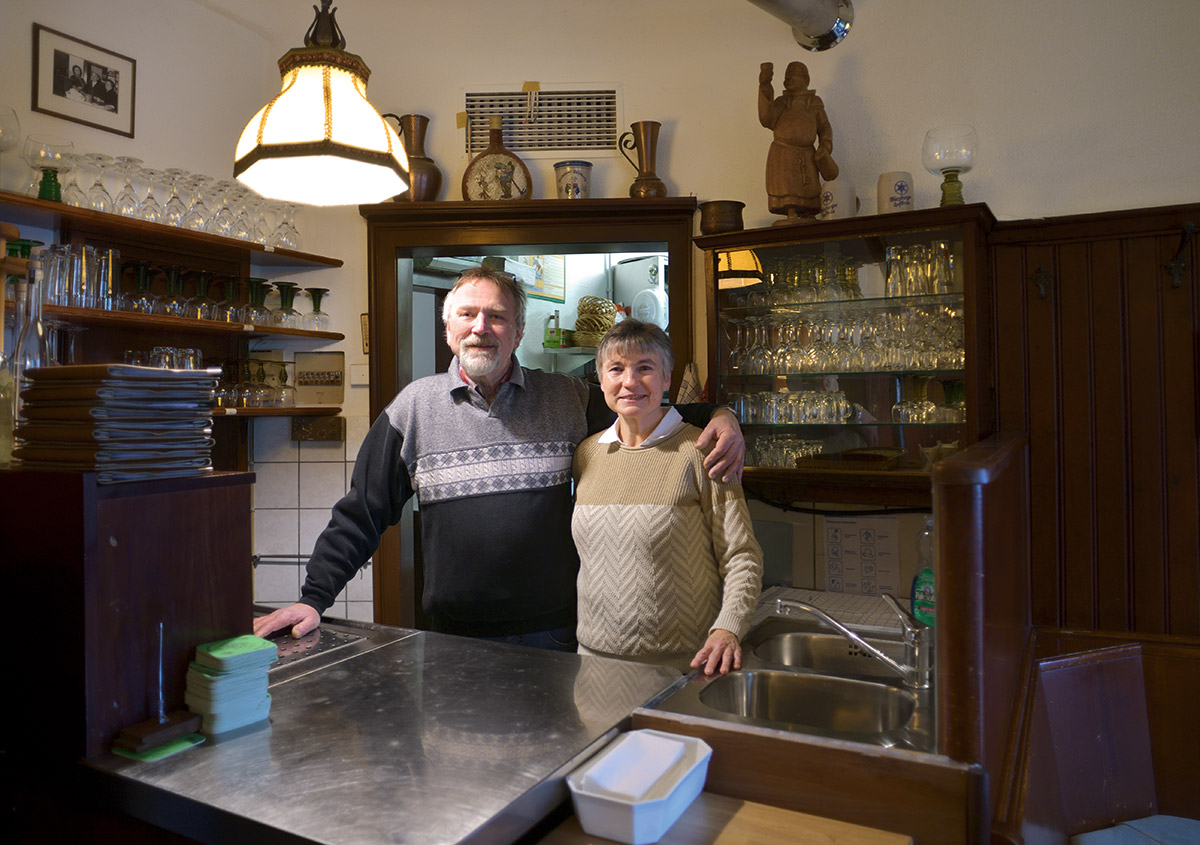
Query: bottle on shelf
553	335
31	349
923	602
8	396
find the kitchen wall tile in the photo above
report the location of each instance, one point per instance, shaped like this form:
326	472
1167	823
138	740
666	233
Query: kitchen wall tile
276	485
319	450
322	484
271	440
362	586
356	432
276	532
360	611
276	582
312	523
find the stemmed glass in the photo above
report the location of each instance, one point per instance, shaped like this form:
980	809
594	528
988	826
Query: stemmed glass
139	300
149	209
254	312
221	221
285	315
228	310
10	130
285	394
72	194
197	215
127	203
98	197
171	303
175	209
316	320
50	154
949	151
200	306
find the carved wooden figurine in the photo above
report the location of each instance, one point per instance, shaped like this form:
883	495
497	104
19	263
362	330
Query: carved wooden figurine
801	152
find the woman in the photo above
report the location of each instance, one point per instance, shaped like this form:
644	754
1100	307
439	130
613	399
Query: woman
670	571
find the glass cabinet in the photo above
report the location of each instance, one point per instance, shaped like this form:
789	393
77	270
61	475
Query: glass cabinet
855	352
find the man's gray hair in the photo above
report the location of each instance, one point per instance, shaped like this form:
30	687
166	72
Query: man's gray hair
505	281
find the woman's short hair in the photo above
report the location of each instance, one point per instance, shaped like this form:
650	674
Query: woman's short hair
505	281
631	336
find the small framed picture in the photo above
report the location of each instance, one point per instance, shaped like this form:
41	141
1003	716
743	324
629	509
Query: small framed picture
77	80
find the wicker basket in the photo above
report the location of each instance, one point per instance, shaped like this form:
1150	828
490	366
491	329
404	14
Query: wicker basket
596	317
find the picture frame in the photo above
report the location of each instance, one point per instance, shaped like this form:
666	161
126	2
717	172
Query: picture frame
82	82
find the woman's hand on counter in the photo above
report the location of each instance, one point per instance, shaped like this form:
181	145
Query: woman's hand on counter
300	617
721	653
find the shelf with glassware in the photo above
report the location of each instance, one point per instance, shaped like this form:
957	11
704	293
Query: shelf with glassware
851	350
149	294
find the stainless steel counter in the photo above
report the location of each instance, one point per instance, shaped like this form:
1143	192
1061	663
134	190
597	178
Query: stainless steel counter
391	735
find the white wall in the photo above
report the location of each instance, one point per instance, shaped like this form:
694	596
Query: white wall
1081	105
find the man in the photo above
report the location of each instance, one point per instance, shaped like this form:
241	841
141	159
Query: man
486	447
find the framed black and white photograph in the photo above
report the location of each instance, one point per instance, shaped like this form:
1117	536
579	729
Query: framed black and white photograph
80	81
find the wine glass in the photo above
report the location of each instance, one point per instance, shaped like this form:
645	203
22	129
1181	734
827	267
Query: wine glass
316	320
50	154
10	130
149	209
127	202
98	197
949	151
72	194
175	209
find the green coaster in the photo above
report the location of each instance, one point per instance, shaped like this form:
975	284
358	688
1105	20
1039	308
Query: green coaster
164	750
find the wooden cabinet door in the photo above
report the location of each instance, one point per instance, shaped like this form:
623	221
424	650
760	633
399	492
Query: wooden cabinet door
1096	357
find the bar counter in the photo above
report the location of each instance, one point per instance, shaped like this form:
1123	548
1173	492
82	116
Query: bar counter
392	736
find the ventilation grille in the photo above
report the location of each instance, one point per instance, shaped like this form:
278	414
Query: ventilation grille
544	121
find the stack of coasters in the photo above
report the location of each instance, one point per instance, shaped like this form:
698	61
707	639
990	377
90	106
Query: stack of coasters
227	683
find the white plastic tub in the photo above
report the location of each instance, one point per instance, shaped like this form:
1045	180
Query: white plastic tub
639	785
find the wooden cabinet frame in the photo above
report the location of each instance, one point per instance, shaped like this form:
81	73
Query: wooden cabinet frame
400	230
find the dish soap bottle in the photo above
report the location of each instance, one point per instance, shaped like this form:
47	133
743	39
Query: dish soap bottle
923	604
553	336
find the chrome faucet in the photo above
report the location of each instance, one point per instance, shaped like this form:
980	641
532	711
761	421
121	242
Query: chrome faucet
917	669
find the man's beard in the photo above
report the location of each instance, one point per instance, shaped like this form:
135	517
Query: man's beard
477	359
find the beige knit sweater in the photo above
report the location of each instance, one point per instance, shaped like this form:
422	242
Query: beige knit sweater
666	554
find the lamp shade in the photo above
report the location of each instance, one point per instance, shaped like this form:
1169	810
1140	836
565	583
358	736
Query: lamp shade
738	269
320	141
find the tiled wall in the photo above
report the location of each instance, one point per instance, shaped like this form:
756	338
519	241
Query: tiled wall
296	485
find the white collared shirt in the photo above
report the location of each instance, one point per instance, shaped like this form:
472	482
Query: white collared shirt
666	427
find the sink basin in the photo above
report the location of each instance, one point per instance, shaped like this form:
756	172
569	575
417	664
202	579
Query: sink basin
839	706
829	653
798	675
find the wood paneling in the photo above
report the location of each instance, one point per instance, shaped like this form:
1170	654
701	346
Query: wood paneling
1101	371
98	568
979	498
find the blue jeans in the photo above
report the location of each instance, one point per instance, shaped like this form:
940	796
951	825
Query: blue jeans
556	639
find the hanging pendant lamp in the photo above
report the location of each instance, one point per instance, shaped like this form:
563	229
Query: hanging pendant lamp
320	141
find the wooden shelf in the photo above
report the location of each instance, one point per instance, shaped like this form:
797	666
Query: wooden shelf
127	321
300	411
26	211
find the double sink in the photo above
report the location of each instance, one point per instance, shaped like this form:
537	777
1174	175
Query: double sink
799	674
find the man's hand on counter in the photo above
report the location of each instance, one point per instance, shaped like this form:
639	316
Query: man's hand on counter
300	617
721	652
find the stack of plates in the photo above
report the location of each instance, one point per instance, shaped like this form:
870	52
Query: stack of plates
227	683
123	422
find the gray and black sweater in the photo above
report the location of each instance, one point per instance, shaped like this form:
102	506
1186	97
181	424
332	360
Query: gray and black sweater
494	486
